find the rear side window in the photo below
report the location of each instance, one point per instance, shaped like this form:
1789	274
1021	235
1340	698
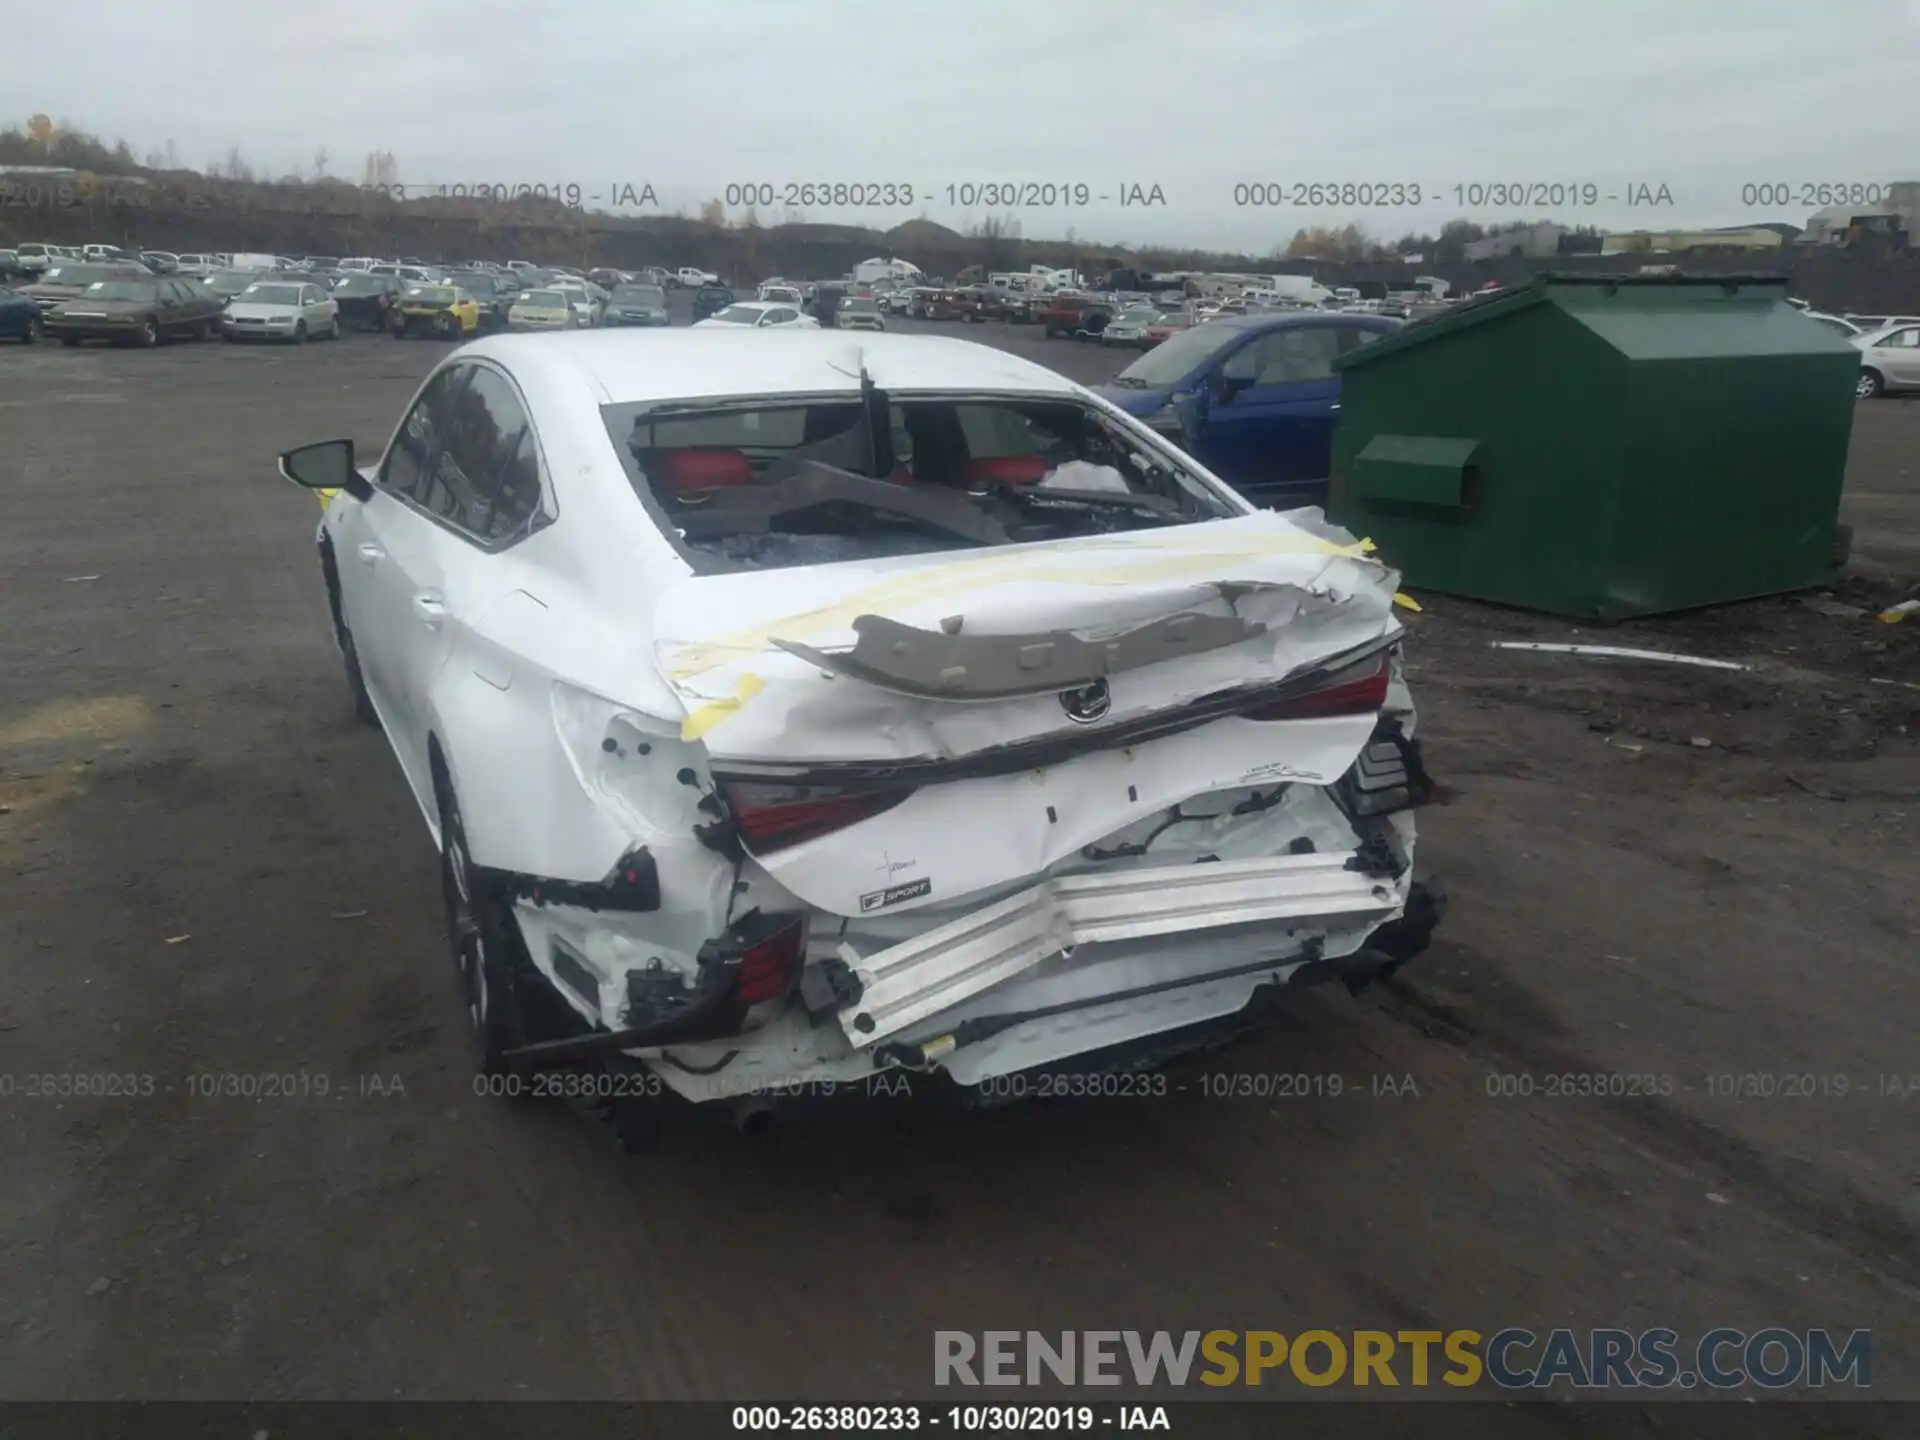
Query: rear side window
483	457
415	451
1286	357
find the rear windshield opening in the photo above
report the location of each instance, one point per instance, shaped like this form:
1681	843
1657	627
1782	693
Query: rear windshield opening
762	485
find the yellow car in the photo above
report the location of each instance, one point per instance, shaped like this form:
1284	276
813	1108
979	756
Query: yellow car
445	312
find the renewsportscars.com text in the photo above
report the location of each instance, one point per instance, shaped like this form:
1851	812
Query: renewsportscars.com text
1508	1359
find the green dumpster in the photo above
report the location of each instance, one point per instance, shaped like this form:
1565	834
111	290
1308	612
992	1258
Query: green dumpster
1602	446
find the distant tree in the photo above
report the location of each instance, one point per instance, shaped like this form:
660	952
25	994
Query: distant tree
320	163
995	241
750	220
40	128
713	215
1317	242
1581	240
1453	239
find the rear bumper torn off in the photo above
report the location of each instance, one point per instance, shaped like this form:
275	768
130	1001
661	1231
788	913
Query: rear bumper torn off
889	992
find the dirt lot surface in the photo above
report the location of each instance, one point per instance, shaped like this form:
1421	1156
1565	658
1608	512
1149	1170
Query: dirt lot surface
1691	883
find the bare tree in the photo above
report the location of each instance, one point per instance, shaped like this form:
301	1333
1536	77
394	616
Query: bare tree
320	163
713	215
173	156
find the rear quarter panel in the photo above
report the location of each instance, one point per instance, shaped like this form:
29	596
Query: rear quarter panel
570	607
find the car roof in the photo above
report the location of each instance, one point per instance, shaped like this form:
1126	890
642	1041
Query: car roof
632	366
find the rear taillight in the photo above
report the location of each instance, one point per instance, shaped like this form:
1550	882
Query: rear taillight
772	817
769	968
1357	690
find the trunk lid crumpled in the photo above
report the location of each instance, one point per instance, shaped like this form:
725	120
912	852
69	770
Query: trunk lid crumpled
779	685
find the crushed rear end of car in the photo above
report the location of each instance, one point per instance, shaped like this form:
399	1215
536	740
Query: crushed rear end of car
1081	805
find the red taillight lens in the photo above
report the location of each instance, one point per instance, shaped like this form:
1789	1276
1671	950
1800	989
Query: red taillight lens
772	817
1357	690
768	970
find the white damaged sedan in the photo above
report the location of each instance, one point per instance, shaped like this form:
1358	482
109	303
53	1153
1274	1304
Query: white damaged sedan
794	710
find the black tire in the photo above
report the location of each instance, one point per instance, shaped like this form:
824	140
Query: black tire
487	950
203	330
1870	386
333	332
70	341
149	335
34	330
300	332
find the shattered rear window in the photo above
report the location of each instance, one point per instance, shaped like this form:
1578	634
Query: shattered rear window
768	483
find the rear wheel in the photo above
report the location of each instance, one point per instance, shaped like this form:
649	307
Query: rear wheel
33	330
203	330
485	942
70	341
1870	384
149	335
333	330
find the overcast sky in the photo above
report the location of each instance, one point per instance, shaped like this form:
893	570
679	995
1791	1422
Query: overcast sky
1701	96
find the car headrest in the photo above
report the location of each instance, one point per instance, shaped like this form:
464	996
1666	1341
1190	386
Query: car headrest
702	467
1005	469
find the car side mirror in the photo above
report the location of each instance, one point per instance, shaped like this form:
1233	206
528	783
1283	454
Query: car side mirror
325	465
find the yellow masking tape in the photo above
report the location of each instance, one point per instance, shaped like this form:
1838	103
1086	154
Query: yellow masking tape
1406	602
325	496
962	577
710	715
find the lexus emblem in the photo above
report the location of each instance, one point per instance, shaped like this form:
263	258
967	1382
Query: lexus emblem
1088	703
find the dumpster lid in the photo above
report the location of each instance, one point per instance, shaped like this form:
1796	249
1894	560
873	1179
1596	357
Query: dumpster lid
1540	291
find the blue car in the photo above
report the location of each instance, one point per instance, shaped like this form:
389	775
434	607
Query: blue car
1254	398
19	316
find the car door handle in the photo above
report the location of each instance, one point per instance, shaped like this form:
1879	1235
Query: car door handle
372	554
431	609
1334	408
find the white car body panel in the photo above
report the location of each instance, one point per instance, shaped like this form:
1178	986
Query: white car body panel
574	680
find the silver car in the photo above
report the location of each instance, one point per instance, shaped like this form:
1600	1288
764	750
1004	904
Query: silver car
1889	360
1129	327
282	310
